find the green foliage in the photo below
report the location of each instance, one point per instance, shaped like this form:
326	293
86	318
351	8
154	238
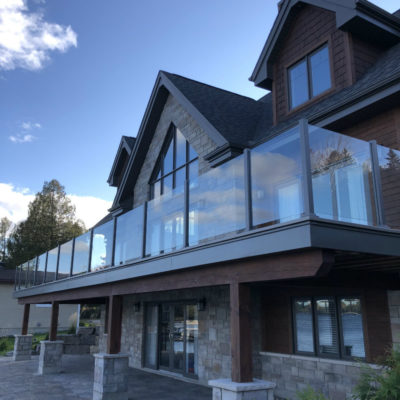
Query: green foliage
71	330
51	221
310	394
5	225
6	344
380	384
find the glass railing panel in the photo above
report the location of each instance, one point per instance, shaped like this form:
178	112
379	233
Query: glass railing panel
24	275
164	232
341	177
129	236
217	203
102	246
51	265
31	272
64	264
16	280
389	166
81	254
40	270
276	179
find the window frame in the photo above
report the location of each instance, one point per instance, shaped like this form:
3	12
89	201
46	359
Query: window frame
158	172
340	339
307	60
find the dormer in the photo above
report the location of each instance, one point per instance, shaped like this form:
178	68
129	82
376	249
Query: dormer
317	48
121	160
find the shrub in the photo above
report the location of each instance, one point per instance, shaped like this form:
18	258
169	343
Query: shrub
380	384
310	394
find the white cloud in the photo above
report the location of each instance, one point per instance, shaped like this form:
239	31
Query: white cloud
14	205
26	39
22	138
27	126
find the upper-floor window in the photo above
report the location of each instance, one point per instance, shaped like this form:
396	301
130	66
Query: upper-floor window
309	77
177	162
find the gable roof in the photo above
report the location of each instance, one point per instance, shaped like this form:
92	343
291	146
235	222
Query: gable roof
127	143
357	16
229	119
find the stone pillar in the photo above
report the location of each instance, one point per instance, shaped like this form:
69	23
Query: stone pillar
110	377
22	347
51	352
225	389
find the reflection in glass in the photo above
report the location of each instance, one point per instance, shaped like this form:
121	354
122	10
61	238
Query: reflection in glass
192	337
151	338
168	159
129	236
31	272
341	177
102	246
41	267
64	264
320	71
216	202
276	180
178	337
352	327
165	342
304	325
164	231
327	326
81	254
298	84
24	275
180	149
51	265
389	166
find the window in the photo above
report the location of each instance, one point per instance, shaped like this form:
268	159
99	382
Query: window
309	77
328	327
177	162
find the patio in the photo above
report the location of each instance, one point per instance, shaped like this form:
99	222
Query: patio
19	381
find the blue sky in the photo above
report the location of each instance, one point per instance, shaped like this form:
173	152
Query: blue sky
62	115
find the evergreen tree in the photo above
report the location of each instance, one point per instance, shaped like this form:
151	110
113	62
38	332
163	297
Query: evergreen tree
51	221
5	225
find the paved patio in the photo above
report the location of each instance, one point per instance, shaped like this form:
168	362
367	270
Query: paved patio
19	381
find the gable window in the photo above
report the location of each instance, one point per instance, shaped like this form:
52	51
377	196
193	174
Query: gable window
309	77
328	327
177	162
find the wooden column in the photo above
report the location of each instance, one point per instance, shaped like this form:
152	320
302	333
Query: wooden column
54	320
241	343
114	324
25	320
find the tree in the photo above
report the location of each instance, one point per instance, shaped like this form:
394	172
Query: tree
5	225
51	221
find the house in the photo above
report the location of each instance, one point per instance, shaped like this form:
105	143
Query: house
11	312
252	245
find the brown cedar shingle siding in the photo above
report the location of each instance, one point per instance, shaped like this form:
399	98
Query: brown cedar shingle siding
311	27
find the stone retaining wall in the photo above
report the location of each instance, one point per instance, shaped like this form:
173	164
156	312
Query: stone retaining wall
78	344
291	373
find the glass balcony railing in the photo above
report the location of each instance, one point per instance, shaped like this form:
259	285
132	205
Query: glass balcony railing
304	172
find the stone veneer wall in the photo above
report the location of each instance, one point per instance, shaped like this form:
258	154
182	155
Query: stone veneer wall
394	308
291	373
214	354
198	139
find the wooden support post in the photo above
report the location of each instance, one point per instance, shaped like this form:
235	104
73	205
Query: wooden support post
114	324
54	320
241	343
25	321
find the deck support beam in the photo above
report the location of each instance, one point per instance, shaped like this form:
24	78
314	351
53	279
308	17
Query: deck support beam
114	324
25	319
54	321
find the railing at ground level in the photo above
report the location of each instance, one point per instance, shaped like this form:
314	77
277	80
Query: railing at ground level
305	171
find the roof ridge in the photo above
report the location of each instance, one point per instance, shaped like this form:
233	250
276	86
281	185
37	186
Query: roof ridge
211	86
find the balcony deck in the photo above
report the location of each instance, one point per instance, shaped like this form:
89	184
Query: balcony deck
306	189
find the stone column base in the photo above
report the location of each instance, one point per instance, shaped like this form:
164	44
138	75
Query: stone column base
225	389
22	347
110	376
50	357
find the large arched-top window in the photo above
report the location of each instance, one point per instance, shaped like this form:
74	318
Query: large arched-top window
177	162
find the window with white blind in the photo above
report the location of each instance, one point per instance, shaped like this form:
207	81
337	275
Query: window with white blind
328	327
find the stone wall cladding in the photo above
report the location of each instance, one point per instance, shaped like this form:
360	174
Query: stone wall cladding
173	113
291	373
22	347
214	353
394	308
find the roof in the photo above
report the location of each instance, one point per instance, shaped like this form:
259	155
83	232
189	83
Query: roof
7	275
